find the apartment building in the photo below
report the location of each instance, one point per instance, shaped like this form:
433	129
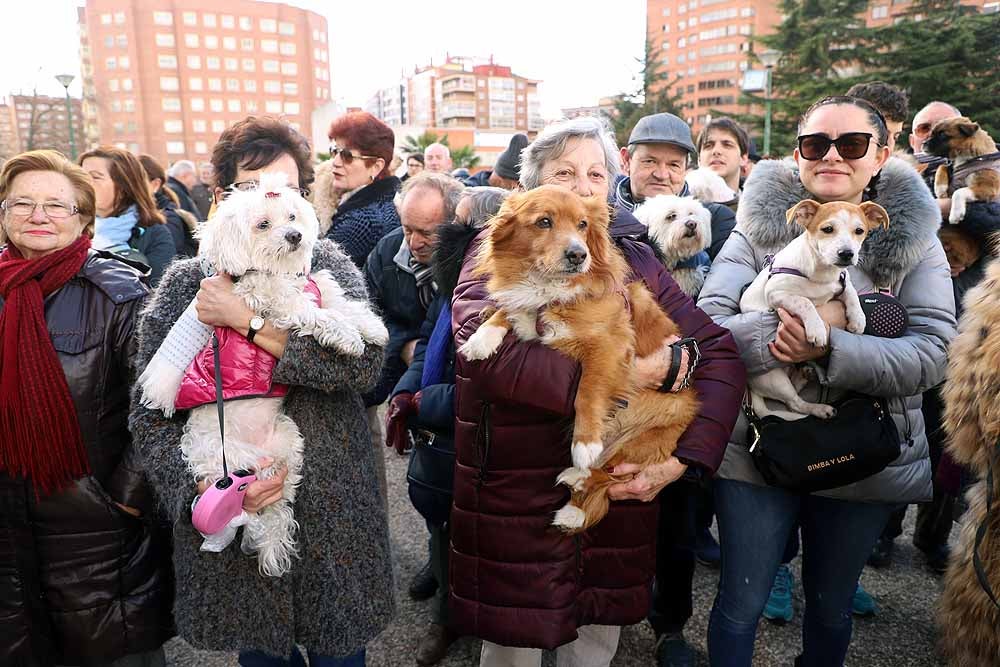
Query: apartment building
166	77
707	44
30	122
473	100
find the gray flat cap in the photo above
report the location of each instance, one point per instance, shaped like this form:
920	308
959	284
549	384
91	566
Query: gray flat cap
663	128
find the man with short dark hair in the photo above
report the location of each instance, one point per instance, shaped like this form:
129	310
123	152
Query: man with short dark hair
723	146
892	102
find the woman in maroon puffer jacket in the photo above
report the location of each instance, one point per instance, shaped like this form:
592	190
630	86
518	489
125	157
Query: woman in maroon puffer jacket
516	581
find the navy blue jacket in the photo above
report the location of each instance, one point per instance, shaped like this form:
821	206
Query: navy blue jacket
367	216
437	413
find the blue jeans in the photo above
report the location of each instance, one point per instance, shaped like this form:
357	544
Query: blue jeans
261	659
755	523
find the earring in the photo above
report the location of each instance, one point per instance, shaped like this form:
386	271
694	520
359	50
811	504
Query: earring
372	177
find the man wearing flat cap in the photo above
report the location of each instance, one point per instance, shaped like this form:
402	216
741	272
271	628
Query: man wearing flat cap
507	169
656	161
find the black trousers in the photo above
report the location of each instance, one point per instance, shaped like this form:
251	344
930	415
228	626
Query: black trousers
675	560
934	519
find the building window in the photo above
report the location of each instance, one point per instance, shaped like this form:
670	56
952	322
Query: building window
246	23
229	43
880	12
269	45
111	63
116	105
228	21
105	19
171	103
272	87
287	49
164	39
166	62
286	28
208	20
197	104
199	125
215	84
252	106
289	69
123	62
232	64
211	42
215	104
169	83
175	147
212	62
113	85
200	147
163	18
195	83
122	40
191	41
271	66
173	126
119	128
290	88
194	62
292	108
272	106
250	86
268	25
233	106
233	85
249	65
189	18
246	44
109	41
218	125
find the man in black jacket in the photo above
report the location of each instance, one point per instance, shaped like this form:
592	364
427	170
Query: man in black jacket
181	177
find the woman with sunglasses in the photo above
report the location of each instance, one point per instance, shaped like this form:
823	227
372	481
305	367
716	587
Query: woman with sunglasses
354	189
841	156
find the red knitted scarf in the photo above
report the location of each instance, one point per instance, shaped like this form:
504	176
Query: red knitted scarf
39	433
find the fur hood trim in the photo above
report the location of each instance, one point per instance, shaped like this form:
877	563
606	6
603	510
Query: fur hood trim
886	256
322	196
453	240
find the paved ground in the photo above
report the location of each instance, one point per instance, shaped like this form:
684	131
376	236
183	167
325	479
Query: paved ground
901	636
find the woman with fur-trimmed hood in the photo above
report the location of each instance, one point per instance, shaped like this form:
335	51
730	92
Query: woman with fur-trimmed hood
840	525
968	619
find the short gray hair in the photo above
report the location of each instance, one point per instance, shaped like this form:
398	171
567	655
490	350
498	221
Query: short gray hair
447	151
484	203
551	143
180	168
449	188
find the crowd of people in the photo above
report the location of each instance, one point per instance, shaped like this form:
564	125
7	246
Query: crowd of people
100	562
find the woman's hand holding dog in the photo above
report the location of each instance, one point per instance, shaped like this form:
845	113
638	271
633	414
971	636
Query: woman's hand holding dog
790	345
260	493
650	371
219	306
646	482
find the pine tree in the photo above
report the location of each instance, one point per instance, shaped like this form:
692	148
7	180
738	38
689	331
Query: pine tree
652	95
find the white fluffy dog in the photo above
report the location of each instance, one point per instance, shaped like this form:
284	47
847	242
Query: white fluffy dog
706	185
265	237
681	228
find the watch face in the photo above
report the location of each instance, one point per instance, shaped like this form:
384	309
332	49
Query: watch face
257	323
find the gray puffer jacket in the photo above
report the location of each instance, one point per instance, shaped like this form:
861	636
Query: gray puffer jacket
907	259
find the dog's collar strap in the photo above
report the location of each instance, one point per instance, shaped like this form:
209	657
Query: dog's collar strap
769	262
301	274
980	163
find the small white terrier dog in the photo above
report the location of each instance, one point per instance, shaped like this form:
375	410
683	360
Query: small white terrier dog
265	237
681	228
706	185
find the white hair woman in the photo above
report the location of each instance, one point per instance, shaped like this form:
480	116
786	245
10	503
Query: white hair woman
511	440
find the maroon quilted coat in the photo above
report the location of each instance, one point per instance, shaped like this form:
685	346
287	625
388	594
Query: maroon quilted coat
514	580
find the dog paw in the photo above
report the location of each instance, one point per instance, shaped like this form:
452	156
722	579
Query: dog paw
373	330
957	215
857	324
816	333
483	343
585	454
824	411
569	517
574	478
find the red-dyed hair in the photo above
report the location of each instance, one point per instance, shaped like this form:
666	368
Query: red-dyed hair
368	135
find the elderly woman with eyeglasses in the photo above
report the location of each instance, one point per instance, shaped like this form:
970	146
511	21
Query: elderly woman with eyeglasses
841	156
84	569
515	581
354	189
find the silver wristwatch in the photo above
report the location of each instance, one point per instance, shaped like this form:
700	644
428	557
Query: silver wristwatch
256	324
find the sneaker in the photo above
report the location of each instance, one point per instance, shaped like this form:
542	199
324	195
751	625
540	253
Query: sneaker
423	586
779	608
863	604
881	555
672	650
707	550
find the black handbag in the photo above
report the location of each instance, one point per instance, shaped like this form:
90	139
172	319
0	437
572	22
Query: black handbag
431	475
813	454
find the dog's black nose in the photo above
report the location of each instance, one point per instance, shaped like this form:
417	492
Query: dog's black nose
293	237
576	256
845	255
691	224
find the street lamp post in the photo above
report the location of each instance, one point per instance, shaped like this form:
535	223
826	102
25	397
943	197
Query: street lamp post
769	59
65	80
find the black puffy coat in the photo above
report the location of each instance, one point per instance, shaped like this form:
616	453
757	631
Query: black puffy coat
184	242
81	581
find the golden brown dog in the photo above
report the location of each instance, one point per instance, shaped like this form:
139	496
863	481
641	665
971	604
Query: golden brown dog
556	276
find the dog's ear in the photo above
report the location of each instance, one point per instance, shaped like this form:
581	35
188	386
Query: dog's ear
967	127
875	215
803	212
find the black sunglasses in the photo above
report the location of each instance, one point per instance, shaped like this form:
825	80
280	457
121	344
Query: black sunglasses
850	145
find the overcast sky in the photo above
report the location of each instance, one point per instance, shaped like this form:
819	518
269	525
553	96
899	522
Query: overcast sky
579	53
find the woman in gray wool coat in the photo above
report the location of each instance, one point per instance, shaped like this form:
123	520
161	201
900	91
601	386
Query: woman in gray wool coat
339	593
839	526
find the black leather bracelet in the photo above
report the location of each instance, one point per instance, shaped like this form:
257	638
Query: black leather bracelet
675	369
694	356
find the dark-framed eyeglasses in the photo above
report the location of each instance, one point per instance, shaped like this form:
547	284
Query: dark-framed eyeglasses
850	145
249	186
25	208
347	156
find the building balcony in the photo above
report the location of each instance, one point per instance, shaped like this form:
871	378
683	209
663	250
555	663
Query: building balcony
458	110
458	83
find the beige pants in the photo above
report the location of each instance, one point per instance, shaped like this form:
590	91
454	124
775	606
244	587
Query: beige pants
378	443
594	646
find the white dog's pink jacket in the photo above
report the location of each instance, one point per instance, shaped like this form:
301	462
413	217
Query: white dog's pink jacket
247	369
